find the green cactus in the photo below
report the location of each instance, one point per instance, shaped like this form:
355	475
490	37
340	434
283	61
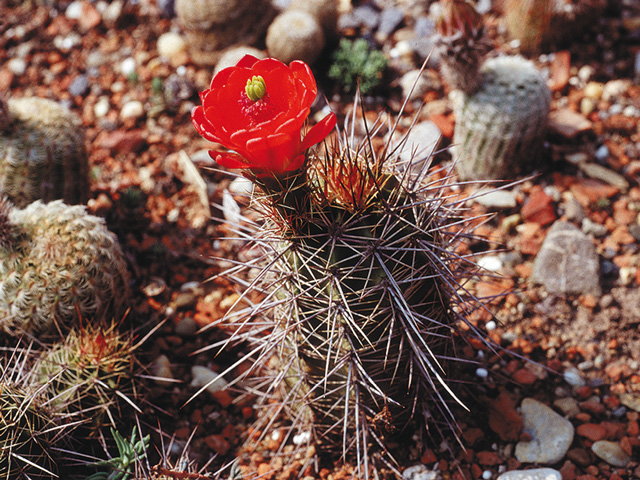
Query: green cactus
42	152
57	263
500	129
355	65
89	374
361	290
28	432
130	453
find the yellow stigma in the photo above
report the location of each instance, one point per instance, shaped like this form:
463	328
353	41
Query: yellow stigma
255	88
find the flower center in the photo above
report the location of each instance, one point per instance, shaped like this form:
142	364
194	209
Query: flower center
255	88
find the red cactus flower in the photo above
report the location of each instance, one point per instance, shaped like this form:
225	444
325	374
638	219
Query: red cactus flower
258	109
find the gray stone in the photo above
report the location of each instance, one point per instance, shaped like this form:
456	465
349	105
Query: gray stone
611	453
631	401
567	262
573	210
421	142
390	18
496	198
606	175
568	405
534	474
79	86
590	227
551	434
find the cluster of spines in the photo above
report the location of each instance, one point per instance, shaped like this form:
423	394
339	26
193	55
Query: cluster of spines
361	299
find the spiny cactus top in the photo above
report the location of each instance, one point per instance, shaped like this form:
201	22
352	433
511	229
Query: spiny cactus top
57	262
42	152
358	278
462	44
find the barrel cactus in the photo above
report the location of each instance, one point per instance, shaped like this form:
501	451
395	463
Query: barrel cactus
502	103
42	152
295	35
500	129
211	26
89	374
359	279
57	263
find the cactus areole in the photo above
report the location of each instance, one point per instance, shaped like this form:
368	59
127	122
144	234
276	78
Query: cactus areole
357	279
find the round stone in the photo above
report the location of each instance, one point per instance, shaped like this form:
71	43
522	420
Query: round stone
171	44
132	109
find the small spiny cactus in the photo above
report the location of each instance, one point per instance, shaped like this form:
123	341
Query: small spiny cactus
211	26
500	129
357	66
89	374
42	152
57	262
502	104
28	431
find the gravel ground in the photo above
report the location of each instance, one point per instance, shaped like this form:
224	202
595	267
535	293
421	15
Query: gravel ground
105	65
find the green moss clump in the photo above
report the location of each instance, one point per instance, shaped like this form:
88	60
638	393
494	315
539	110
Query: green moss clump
355	65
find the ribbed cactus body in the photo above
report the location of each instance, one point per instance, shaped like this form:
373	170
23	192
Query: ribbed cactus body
500	128
89	373
361	277
57	263
27	433
42	153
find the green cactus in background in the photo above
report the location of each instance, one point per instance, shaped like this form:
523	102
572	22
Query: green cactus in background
355	65
502	104
500	129
42	152
130	453
89	374
57	263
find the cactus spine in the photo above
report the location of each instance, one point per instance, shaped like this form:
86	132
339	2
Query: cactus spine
42	152
57	262
502	105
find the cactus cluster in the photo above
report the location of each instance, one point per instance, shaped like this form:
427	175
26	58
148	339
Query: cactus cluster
211	26
502	105
42	152
57	263
89	374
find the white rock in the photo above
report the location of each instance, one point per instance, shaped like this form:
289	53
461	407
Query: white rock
101	108
17	66
203	376
230	208
171	44
74	11
572	377
495	198
534	474
132	109
128	66
493	263
551	434
419	472
421	142
301	438
611	453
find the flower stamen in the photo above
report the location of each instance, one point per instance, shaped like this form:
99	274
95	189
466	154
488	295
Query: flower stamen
255	88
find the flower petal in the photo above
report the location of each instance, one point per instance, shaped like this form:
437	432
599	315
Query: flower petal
229	159
319	131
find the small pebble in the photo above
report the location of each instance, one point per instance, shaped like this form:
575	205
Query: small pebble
202	376
161	369
611	453
128	66
132	109
593	90
602	153
587	105
301	438
186	327
493	263
17	66
533	474
419	472
101	108
482	372
171	44
486	475
79	86
572	376
74	11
